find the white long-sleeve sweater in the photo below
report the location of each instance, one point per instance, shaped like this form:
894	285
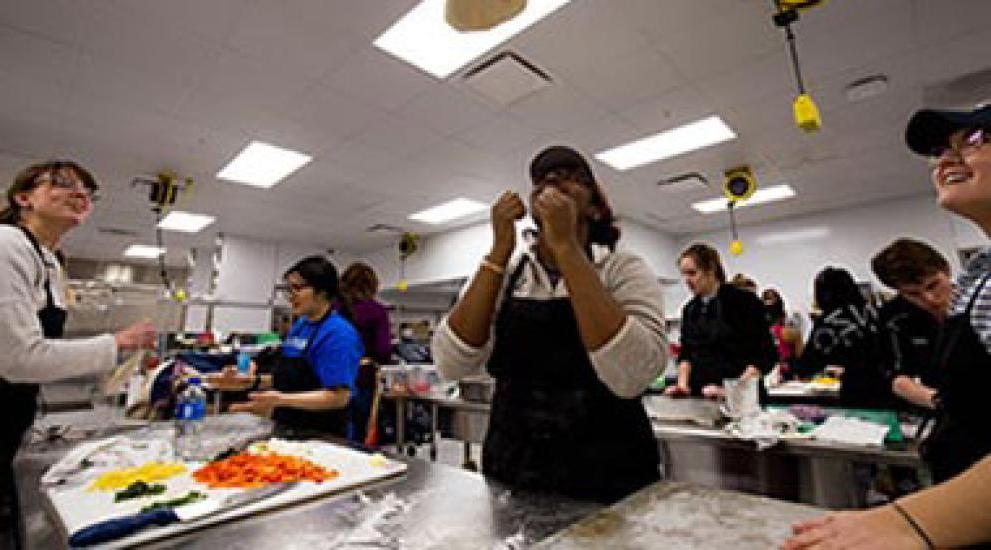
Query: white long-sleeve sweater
25	354
626	364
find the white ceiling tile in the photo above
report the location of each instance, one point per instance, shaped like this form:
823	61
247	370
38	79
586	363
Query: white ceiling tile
399	136
366	20
938	22
581	35
379	79
297	41
356	160
213	20
627	79
448	109
955	58
238	89
26	54
668	110
323	110
499	136
61	21
843	35
556	108
721	43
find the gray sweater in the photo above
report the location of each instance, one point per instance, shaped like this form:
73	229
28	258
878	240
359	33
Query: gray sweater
25	354
627	364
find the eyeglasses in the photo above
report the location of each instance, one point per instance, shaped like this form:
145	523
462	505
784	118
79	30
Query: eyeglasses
971	142
59	181
289	289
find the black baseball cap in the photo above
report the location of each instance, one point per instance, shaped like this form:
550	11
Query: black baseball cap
930	129
557	157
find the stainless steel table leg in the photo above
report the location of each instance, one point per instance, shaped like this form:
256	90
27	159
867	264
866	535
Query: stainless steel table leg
400	424
433	431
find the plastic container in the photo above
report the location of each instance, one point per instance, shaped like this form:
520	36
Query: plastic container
244	363
190	412
395	379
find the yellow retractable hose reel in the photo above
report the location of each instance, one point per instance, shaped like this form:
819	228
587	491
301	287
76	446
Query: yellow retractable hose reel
804	109
739	184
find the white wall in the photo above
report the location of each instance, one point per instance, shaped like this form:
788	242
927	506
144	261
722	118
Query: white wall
787	254
249	269
457	253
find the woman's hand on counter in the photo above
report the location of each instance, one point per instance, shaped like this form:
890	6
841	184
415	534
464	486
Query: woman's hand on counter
140	335
677	390
268	398
876	529
260	407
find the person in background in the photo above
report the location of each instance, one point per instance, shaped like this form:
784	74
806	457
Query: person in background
953	513
313	379
724	330
787	337
573	333
846	337
912	320
45	202
359	285
743	282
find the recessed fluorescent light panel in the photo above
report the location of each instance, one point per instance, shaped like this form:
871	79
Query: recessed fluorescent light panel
143	251
423	38
795	236
185	222
263	165
768	194
449	211
670	143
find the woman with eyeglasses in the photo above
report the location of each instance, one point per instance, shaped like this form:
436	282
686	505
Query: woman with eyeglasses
313	379
573	333
957	511
45	202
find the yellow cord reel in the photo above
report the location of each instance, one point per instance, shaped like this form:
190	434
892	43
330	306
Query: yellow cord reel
739	183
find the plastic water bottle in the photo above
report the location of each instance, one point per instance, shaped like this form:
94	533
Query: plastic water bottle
190	410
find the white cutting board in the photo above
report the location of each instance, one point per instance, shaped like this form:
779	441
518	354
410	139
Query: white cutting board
77	507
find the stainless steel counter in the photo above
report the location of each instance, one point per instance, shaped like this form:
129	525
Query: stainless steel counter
436	506
801	470
676	515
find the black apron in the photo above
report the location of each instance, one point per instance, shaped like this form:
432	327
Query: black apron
714	358
296	374
554	425
960	436
20	401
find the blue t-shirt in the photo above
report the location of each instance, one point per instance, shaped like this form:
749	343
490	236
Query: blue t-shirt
335	352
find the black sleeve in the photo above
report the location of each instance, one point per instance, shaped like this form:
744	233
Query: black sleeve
687	332
813	359
757	341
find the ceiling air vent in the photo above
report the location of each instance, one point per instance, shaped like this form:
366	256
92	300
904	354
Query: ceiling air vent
383	228
684	182
506	78
117	231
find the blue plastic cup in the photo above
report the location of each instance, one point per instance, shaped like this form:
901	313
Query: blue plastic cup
244	363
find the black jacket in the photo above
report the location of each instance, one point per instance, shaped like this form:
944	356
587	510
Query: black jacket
744	314
850	337
909	335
